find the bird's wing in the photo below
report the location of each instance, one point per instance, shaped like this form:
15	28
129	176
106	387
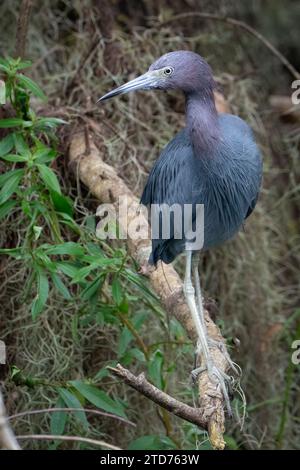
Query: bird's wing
170	183
166	183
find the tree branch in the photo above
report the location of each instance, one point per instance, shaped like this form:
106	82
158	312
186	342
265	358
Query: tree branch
103	181
241	25
141	384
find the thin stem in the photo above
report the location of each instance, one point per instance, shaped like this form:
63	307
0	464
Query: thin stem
133	331
22	28
50	437
86	410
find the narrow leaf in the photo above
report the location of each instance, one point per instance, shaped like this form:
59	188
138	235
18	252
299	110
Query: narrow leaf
11	122
98	398
155	369
91	288
14	158
72	402
6	208
6	144
21	146
116	291
42	293
68	248
58	419
29	84
60	286
68	269
61	203
10	185
49	178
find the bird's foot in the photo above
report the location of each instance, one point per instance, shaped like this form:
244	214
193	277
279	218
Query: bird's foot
220	378
196	372
212	343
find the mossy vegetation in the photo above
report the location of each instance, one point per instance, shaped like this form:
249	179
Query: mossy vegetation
70	304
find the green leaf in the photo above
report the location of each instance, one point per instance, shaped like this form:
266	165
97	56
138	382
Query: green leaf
137	354
37	230
49	178
98	398
48	123
6	208
42	294
11	185
11	122
23	64
231	443
21	146
83	272
138	281
6	144
60	286
91	288
124	340
4	68
62	203
116	290
44	155
5	61
29	84
155	369
14	158
2	92
68	269
14	252
67	248
152	442
5	176
58	419
72	402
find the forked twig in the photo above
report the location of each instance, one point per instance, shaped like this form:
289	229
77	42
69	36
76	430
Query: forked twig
141	384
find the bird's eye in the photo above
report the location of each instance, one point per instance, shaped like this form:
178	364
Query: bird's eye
168	71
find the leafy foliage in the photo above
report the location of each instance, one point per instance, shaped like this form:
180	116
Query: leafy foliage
64	260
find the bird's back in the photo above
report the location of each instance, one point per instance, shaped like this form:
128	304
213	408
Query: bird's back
225	179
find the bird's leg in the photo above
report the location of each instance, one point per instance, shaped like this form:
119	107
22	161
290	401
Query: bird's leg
189	293
195	263
202	345
210	341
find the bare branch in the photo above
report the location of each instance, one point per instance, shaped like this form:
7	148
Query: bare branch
141	384
241	25
7	437
50	437
103	181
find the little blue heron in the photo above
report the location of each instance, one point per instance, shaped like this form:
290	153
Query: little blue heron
213	161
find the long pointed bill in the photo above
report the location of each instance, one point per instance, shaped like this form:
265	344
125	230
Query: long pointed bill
143	82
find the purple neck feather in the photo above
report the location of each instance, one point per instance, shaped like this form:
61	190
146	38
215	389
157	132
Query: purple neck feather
202	120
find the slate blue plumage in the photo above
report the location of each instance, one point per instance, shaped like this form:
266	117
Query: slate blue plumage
225	178
213	161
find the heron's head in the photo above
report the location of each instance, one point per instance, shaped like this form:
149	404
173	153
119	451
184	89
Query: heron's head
182	70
